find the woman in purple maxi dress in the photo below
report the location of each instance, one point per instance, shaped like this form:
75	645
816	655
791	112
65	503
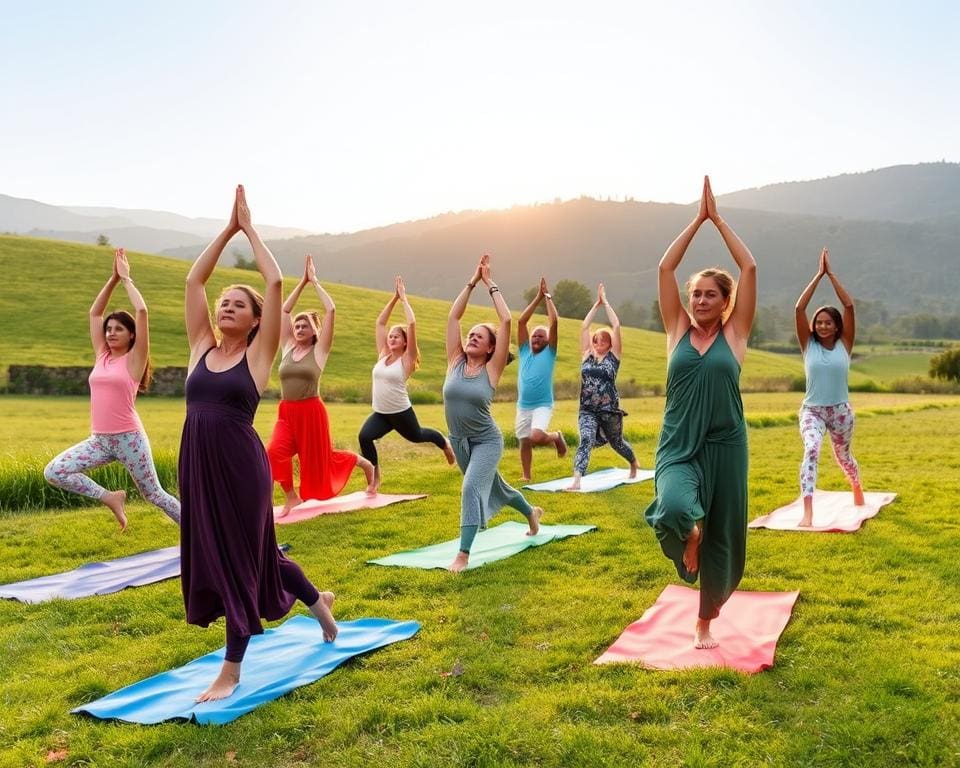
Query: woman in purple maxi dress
230	564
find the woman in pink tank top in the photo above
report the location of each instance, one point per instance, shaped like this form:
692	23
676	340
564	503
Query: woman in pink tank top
121	344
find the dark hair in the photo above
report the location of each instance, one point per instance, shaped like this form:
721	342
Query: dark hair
837	319
313	318
492	329
256	304
126	320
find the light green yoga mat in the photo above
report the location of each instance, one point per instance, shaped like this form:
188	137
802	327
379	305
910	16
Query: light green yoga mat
490	545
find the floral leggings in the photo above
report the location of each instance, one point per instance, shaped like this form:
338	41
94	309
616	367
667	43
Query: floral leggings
132	449
815	420
599	428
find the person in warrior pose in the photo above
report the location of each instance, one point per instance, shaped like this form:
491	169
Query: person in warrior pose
399	357
538	354
303	426
230	563
121	345
600	420
826	343
474	368
699	512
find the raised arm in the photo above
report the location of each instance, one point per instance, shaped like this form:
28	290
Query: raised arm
800	313
674	316
459	306
197	314
616	344
411	353
384	317
99	306
286	317
553	317
586	343
321	350
849	316
741	319
263	349
138	356
501	352
523	333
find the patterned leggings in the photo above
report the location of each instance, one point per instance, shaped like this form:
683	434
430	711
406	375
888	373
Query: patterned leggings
598	428
132	449
815	420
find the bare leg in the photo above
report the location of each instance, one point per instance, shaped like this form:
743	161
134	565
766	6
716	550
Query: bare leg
369	473
459	562
633	468
526	459
114	501
807	520
534	521
321	609
560	443
293	499
448	452
575	485
691	552
702	637
858	499
224	685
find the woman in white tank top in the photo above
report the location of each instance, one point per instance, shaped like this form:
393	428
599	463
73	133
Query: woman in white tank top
398	358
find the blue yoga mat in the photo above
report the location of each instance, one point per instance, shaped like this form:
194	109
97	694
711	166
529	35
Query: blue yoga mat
594	482
490	545
99	578
279	660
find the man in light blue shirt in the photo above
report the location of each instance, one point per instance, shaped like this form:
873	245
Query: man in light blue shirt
538	353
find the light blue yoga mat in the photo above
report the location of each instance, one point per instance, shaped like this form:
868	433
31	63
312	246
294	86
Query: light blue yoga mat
490	545
594	482
99	578
276	662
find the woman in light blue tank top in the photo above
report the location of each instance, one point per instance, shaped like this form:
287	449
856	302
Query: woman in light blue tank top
474	368
826	343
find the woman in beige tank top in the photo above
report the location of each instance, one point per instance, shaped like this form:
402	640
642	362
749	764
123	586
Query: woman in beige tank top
303	427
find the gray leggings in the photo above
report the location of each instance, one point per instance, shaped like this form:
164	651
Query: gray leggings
132	449
598	428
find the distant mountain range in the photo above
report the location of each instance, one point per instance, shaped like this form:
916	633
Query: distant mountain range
894	234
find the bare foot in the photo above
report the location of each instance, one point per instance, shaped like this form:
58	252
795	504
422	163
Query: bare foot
114	501
292	501
370	473
858	499
701	636
459	562
691	552
534	521
633	469
806	521
561	445
377	479
575	485
525	479
448	452
321	609
224	685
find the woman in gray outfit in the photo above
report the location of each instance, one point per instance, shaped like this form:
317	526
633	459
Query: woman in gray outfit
473	371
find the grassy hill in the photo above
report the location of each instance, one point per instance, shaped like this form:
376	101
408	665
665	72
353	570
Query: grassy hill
50	285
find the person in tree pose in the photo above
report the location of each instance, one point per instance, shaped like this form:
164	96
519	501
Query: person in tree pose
699	512
600	420
398	358
230	563
538	354
474	368
121	346
826	343
303	426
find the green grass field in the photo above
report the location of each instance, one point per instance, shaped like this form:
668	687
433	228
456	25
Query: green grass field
51	284
867	672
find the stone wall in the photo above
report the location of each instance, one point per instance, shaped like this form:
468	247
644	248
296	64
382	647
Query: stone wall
72	380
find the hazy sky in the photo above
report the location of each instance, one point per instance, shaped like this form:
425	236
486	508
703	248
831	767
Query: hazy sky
344	115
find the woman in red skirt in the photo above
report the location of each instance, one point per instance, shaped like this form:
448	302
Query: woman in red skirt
303	428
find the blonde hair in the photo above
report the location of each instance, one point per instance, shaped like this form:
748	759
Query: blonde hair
313	318
724	281
403	329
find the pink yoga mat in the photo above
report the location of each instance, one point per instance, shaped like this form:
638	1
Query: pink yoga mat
833	512
348	503
748	629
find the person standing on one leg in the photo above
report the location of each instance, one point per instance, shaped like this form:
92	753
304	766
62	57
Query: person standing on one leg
826	343
699	512
473	371
538	354
399	357
121	344
600	419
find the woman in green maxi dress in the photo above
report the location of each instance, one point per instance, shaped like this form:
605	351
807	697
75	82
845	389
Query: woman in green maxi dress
699	512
